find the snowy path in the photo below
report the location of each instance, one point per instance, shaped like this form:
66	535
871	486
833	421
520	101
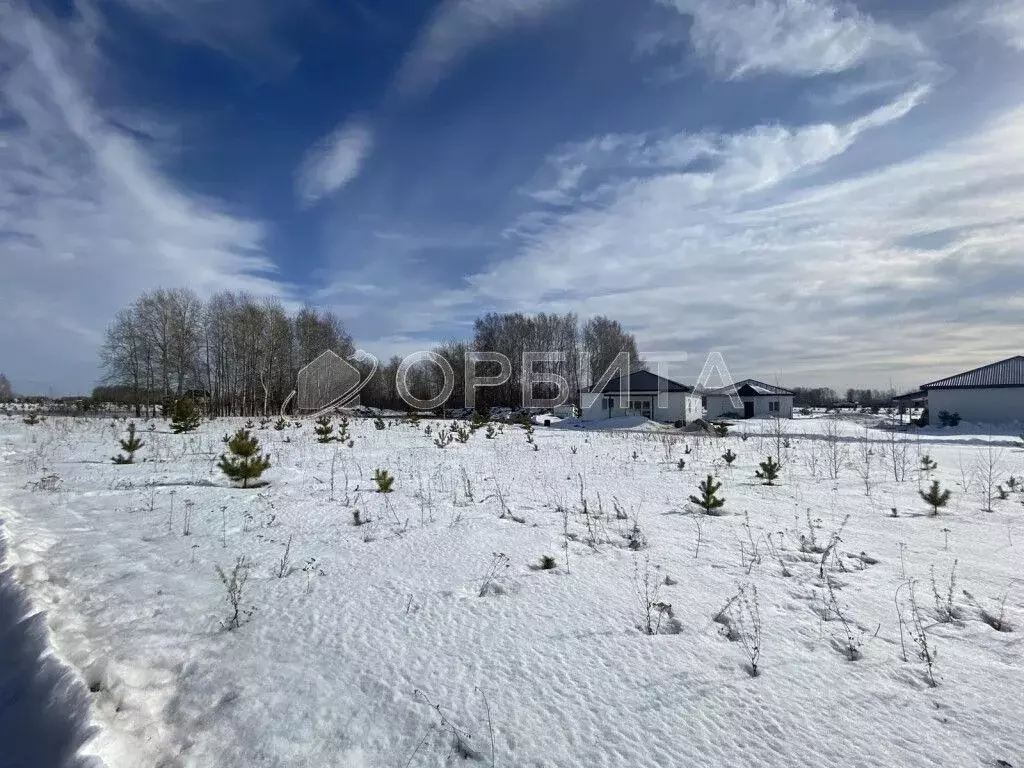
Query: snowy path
44	708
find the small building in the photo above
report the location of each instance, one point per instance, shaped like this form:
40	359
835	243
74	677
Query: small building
755	398
646	394
991	394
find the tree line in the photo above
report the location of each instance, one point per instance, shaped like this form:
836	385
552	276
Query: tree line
240	356
826	397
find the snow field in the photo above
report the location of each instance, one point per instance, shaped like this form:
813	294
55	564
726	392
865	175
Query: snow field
344	662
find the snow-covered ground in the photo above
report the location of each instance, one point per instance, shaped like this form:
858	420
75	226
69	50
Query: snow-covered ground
430	629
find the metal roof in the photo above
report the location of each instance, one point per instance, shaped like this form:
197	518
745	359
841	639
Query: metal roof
1005	373
644	381
749	387
911	397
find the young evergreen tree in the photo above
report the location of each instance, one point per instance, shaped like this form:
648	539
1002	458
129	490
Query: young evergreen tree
245	462
324	430
184	415
769	471
936	497
384	480
129	445
729	457
709	499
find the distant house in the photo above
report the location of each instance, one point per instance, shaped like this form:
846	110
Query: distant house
637	394
992	394
756	399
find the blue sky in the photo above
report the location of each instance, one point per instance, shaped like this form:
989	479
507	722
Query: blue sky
827	193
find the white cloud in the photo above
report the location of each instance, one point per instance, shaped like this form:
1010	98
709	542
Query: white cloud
87	221
335	161
1006	18
767	256
796	37
458	26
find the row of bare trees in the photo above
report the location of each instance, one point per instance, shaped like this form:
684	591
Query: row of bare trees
241	355
579	353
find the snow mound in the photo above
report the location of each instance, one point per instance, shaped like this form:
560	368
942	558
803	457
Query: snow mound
44	708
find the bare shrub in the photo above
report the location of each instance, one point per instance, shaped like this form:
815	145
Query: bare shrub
491	583
235	586
656	616
945	608
995	618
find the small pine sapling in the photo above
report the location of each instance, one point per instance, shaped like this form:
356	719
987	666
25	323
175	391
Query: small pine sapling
379	423
129	445
936	497
548	563
32	419
245	461
709	500
462	433
928	464
324	430
280	425
343	434
384	480
729	457
769	471
681	465
184	416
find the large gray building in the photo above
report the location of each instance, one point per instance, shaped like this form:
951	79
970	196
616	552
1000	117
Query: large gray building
992	394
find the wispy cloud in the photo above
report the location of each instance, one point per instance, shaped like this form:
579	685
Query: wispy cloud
334	161
796	37
762	252
1006	19
87	221
458	26
245	30
454	29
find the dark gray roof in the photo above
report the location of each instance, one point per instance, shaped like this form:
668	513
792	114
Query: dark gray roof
643	382
1005	373
749	388
911	396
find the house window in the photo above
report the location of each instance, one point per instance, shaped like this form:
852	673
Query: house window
609	403
773	405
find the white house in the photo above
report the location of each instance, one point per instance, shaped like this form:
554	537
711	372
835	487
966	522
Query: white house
992	394
749	398
646	394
